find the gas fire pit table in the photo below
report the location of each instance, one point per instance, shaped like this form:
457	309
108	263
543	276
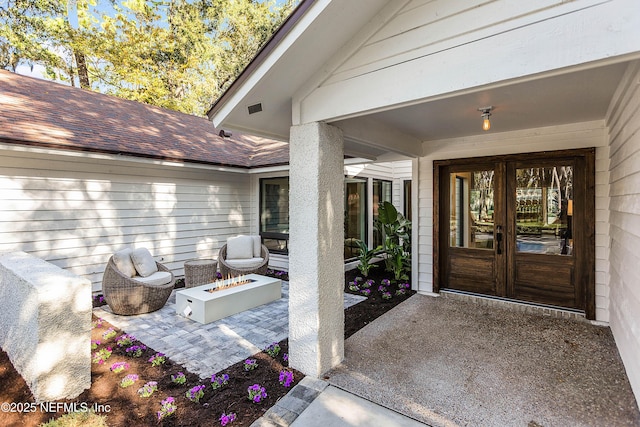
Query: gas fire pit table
213	301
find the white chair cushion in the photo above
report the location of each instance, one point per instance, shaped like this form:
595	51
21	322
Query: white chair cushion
257	246
143	261
239	247
245	263
122	260
158	278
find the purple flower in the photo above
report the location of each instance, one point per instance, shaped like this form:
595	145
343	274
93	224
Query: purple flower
157	359
136	350
128	380
179	378
385	282
285	357
273	350
286	378
119	367
101	355
168	408
366	292
108	334
124	340
195	393
217	382
227	418
382	289
257	393
250	364
148	389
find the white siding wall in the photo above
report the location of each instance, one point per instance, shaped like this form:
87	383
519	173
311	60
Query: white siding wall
426	27
573	136
75	210
401	173
624	193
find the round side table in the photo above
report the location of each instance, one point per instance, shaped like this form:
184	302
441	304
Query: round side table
199	272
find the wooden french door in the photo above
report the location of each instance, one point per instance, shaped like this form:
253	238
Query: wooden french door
520	227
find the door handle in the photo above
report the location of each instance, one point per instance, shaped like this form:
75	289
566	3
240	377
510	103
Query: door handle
499	239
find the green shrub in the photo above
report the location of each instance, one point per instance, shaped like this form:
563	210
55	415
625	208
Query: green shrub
365	255
396	230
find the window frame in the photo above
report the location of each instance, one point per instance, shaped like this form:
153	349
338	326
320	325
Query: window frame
270	235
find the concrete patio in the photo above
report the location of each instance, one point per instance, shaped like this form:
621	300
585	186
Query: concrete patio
441	361
208	349
449	362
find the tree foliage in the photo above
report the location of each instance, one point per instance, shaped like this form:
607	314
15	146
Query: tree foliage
177	54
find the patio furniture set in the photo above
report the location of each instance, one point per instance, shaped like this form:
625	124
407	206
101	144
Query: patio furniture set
134	283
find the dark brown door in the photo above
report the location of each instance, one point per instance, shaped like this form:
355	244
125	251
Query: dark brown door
518	227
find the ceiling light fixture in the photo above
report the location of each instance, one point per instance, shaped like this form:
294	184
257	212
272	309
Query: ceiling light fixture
486	113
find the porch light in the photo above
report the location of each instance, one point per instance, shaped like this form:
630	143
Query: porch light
486	113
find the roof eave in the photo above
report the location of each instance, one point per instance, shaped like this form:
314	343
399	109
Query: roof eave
261	56
115	154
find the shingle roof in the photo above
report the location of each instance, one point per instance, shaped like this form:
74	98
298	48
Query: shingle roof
38	112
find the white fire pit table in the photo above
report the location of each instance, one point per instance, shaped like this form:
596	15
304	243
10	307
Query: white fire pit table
203	306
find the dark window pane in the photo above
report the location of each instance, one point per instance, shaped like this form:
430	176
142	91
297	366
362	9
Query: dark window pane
381	193
407	199
355	219
274	213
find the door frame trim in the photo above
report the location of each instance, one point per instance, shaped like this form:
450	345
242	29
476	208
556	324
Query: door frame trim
588	266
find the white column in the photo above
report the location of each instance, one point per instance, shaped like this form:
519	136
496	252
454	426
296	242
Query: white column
316	242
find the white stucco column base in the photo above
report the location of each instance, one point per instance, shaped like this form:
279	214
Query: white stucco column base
316	248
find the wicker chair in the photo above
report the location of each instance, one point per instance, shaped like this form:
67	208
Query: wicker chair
228	269
128	296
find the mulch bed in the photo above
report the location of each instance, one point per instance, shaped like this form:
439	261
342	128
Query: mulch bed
126	408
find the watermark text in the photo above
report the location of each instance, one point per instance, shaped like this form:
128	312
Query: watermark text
53	407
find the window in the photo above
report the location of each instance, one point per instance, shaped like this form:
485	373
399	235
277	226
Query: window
274	213
407	198
358	217
355	215
381	193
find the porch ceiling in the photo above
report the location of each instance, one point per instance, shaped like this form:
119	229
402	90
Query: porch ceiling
565	97
571	97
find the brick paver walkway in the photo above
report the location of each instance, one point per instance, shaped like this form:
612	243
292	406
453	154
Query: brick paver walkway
208	349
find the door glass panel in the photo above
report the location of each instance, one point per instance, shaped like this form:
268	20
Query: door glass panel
544	210
472	216
355	219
